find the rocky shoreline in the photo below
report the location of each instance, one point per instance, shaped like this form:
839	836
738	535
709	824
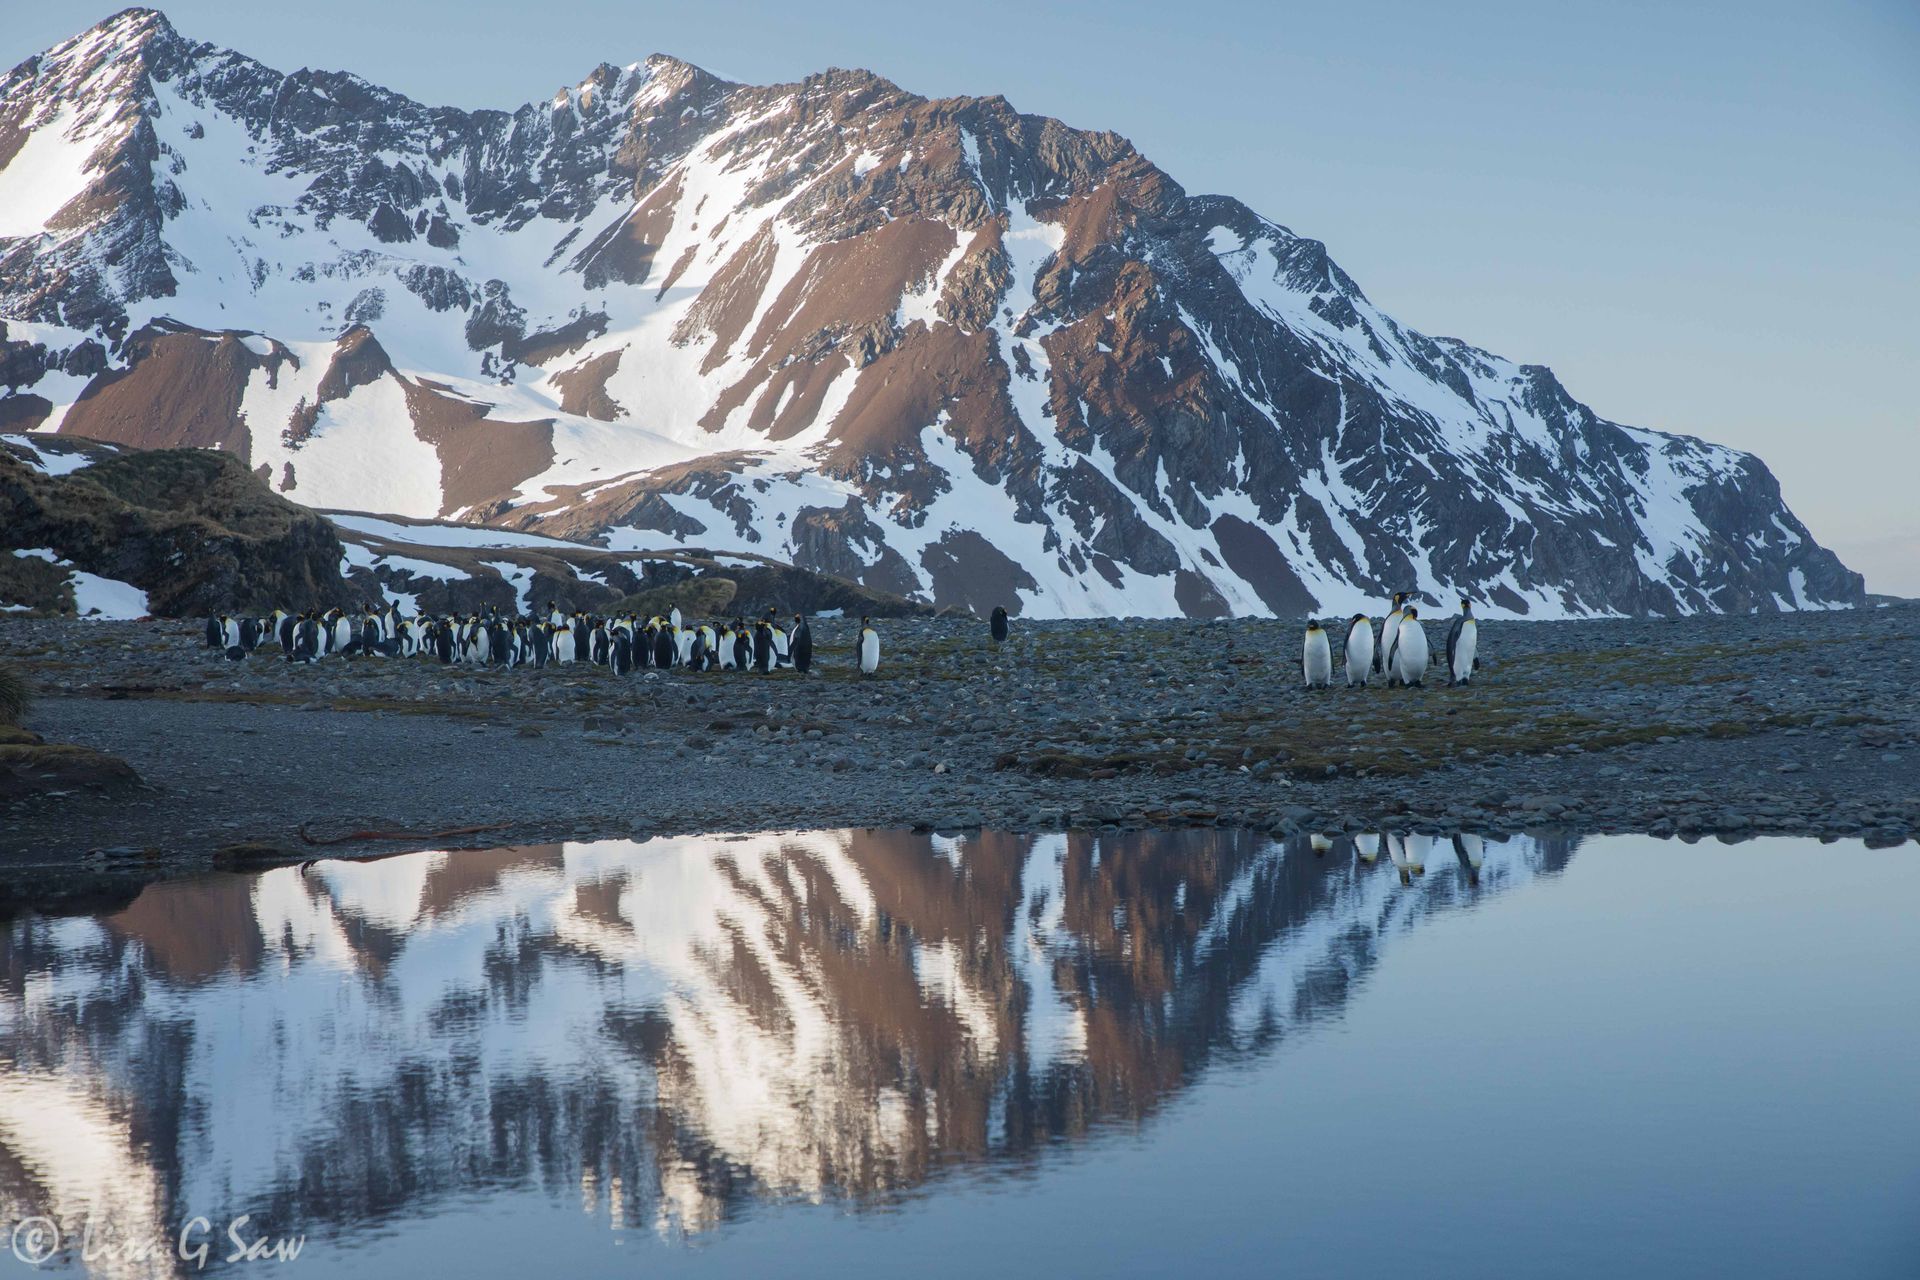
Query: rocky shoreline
1724	726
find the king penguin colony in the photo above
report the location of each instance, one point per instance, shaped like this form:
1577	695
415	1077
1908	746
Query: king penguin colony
622	643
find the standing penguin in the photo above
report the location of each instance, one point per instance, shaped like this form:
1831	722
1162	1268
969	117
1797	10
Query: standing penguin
1389	637
762	647
1316	661
306	640
742	644
1367	845
1359	650
1410	649
800	645
1463	645
582	639
216	634
869	648
664	649
1000	626
781	657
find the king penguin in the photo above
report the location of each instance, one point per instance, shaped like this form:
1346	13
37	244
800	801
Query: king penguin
1359	650
1463	645
781	657
1389	634
1317	659
800	645
762	646
869	647
1410	649
999	625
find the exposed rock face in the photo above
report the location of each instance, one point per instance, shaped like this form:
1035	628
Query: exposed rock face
937	347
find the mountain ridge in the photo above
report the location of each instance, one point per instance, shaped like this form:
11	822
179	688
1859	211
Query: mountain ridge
935	346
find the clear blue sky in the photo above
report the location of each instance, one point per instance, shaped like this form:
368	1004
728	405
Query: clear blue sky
1704	217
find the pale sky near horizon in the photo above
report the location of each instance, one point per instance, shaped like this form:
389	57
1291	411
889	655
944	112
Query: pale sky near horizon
1704	217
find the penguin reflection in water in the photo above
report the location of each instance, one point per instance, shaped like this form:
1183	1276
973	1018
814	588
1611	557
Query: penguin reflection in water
1409	854
1471	850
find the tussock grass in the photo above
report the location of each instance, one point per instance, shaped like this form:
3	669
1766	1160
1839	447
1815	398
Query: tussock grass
13	694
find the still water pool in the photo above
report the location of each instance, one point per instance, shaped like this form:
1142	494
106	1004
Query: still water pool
864	1053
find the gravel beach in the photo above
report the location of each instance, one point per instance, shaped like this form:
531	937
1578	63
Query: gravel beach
1726	726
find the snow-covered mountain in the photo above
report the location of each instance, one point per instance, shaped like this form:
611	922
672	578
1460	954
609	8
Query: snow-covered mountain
934	346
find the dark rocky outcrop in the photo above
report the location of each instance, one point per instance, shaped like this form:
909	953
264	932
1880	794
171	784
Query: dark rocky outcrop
193	528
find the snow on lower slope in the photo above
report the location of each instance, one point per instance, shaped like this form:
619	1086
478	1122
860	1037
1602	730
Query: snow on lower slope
95	599
47	172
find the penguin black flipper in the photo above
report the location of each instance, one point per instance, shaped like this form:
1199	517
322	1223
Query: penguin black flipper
802	647
1453	640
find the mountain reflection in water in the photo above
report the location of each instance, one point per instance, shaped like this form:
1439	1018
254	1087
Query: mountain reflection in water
669	1029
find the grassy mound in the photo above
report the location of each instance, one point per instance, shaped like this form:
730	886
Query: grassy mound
192	528
695	598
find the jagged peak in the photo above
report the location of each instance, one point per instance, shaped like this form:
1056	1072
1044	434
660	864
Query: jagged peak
108	56
129	26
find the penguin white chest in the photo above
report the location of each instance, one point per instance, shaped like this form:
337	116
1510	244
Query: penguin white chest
1359	653
1317	659
869	653
1410	652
